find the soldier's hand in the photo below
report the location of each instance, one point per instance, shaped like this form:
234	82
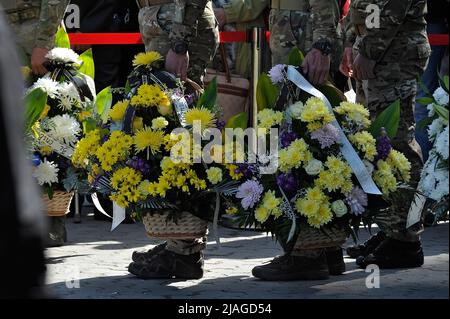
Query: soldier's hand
346	66
316	66
221	16
177	64
37	61
363	68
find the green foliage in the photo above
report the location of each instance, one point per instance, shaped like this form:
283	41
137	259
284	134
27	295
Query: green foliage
333	94
425	100
296	57
389	119
266	93
35	102
209	97
62	38
88	66
238	121
441	111
103	103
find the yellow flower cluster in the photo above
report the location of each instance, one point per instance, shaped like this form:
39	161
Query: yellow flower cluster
316	114
232	171
294	156
400	165
204	116
93	173
114	150
385	178
117	113
146	137
354	112
150	96
268	118
337	176
85	148
147	58
366	143
231	210
315	206
125	182
270	205
159	123
214	175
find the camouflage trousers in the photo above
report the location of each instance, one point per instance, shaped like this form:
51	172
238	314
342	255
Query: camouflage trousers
186	247
25	39
155	25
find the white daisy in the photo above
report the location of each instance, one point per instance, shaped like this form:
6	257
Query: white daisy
46	173
63	55
435	128
68	96
64	129
47	85
440	96
442	143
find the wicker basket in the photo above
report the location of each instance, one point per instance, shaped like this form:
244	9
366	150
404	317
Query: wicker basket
59	205
312	238
188	226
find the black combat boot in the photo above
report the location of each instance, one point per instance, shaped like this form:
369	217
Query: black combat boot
393	253
367	247
142	256
312	265
169	265
335	260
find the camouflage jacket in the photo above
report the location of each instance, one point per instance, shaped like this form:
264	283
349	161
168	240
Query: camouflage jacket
397	19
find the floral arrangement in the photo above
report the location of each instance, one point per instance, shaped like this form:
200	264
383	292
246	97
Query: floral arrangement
133	159
313	184
434	181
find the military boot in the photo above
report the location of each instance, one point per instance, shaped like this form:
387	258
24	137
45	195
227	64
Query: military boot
367	247
335	260
147	255
309	265
393	253
57	234
169	265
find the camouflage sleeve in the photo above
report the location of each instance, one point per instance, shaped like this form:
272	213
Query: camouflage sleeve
51	14
186	16
378	38
325	19
244	10
349	29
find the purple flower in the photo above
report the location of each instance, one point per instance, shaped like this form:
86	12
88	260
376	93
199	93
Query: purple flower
276	74
287	137
190	99
288	183
220	124
248	170
250	193
139	164
384	147
357	200
327	136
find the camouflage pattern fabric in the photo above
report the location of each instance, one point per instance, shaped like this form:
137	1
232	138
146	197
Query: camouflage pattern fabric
401	49
57	234
186	247
34	22
157	24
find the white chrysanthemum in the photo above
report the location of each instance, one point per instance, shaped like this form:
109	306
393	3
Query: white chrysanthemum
436	128
440	96
65	129
442	143
47	85
430	109
63	55
46	173
68	96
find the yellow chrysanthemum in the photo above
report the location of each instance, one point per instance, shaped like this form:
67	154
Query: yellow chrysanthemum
159	123
148	138
45	150
85	148
138	123
316	114
355	113
366	143
231	210
385	178
400	165
202	116
307	207
125	182
117	113
115	149
324	216
294	156
268	118
146	59
214	175
262	214
150	95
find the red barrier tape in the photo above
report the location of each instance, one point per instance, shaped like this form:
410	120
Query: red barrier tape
225	37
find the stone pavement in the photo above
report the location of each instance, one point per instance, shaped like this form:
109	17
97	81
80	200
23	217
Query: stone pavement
96	260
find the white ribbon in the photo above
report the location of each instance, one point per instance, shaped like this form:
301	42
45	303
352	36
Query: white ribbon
62	149
347	150
98	205
118	216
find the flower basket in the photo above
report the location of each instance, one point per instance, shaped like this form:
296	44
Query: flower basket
187	226
59	205
313	238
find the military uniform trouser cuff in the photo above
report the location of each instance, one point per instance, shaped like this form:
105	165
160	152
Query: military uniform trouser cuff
186	246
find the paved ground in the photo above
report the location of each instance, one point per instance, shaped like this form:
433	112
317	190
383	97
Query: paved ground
99	259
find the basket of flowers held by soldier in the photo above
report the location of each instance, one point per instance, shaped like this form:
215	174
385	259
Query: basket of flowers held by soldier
309	187
434	180
144	158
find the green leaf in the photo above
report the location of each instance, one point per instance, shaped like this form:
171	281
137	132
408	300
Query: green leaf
127	87
425	100
209	97
266	92
441	111
443	81
88	66
62	38
389	119
446	83
333	94
35	102
89	125
238	121
103	103
296	57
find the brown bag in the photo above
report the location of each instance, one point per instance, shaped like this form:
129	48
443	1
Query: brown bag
233	90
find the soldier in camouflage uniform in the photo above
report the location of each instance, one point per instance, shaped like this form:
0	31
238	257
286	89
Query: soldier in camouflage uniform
34	23
312	26
387	60
187	33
